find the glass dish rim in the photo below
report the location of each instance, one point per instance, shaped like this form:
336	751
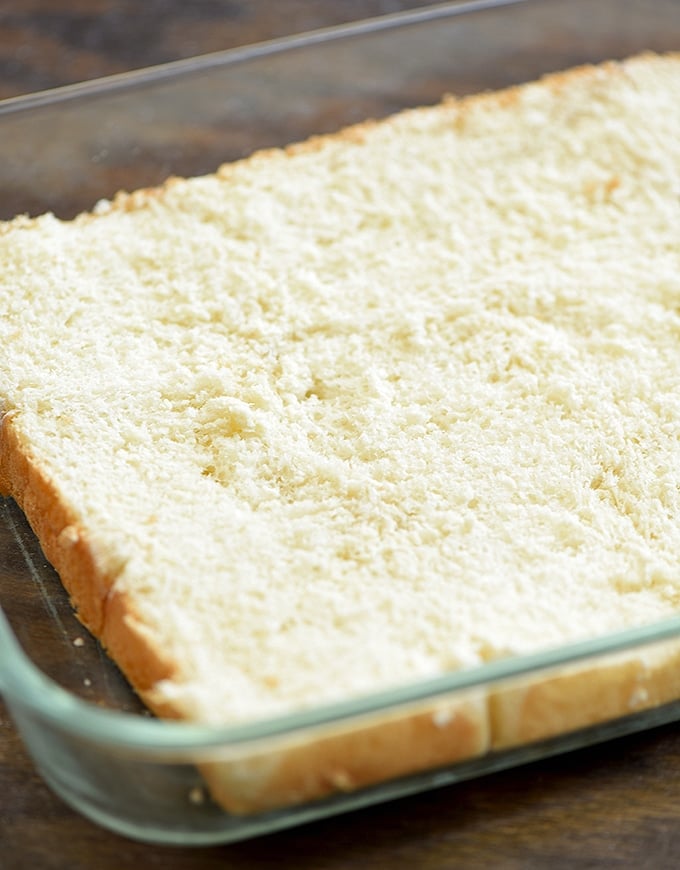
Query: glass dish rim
158	73
24	684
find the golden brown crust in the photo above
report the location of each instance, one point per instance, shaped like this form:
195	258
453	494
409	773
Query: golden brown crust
129	643
363	755
537	708
54	523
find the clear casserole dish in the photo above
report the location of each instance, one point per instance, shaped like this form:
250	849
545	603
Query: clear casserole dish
62	151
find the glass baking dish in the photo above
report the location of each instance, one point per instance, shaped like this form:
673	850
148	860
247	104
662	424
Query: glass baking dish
63	150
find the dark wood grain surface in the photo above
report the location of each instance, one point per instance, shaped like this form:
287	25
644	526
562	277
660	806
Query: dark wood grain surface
615	805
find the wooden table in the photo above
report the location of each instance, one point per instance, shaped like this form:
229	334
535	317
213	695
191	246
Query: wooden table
614	805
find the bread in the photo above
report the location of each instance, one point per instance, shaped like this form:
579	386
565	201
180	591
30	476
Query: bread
370	409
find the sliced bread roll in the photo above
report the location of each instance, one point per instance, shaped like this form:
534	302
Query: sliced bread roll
370	409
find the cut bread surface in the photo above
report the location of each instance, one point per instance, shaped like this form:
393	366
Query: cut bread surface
374	408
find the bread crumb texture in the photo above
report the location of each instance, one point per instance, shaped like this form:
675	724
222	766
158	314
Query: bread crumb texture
393	403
